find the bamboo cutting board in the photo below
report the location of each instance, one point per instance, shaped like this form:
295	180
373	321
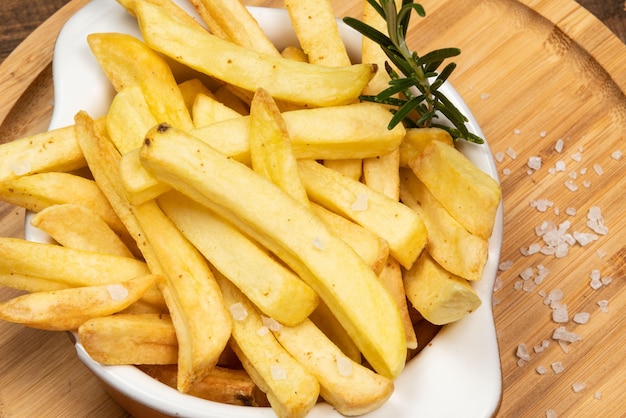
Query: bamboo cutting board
533	72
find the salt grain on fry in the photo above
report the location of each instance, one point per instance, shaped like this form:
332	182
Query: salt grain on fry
117	292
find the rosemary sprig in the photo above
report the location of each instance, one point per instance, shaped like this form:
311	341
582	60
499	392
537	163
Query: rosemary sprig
414	93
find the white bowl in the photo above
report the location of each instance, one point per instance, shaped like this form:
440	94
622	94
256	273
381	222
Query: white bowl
458	374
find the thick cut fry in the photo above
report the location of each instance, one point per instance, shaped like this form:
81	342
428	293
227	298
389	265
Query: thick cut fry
291	390
193	297
270	147
358	130
289	230
273	288
55	150
400	226
438	295
190	89
469	194
39	191
52	267
382	173
232	19
316	28
67	309
128	119
294	53
417	139
288	80
338	132
130	339
326	321
223	385
391	278
77	227
451	245
349	387
127	61
372	249
351	168
208	110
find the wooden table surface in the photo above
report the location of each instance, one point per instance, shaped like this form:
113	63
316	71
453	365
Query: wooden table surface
41	376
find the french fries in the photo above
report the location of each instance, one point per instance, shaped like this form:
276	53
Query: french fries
212	249
179	159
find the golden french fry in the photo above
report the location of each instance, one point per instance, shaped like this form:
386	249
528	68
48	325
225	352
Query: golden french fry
233	99
67	309
169	6
77	227
391	278
270	147
273	288
316	28
55	150
382	173
451	245
223	385
400	226
190	89
351	168
291	390
352	389
249	70
320	258
437	294
232	19
326	321
470	195
208	110
191	294
127	61
130	339
372	249
294	53
139	185
128	119
416	139
350	131
47	265
36	192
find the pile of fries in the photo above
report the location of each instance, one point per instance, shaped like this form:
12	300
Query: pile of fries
252	234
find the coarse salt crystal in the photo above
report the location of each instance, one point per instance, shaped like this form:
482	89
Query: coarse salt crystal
238	311
318	243
564	346
601	253
598	169
559	145
484	96
560	166
606	280
117	292
499	156
527	273
598	395
497	284
518	285
511	153
559	313
551	413
604	305
278	373
541	370
581	317
263	331
534	162
344	366
271	323
506	171
361	202
570	211
573	175
21	167
583	171
557	367
578	386
616	155
528	286
561	334
584	238
543	134
534	248
577	157
541	205
505	265
517	131
586	184
571	186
